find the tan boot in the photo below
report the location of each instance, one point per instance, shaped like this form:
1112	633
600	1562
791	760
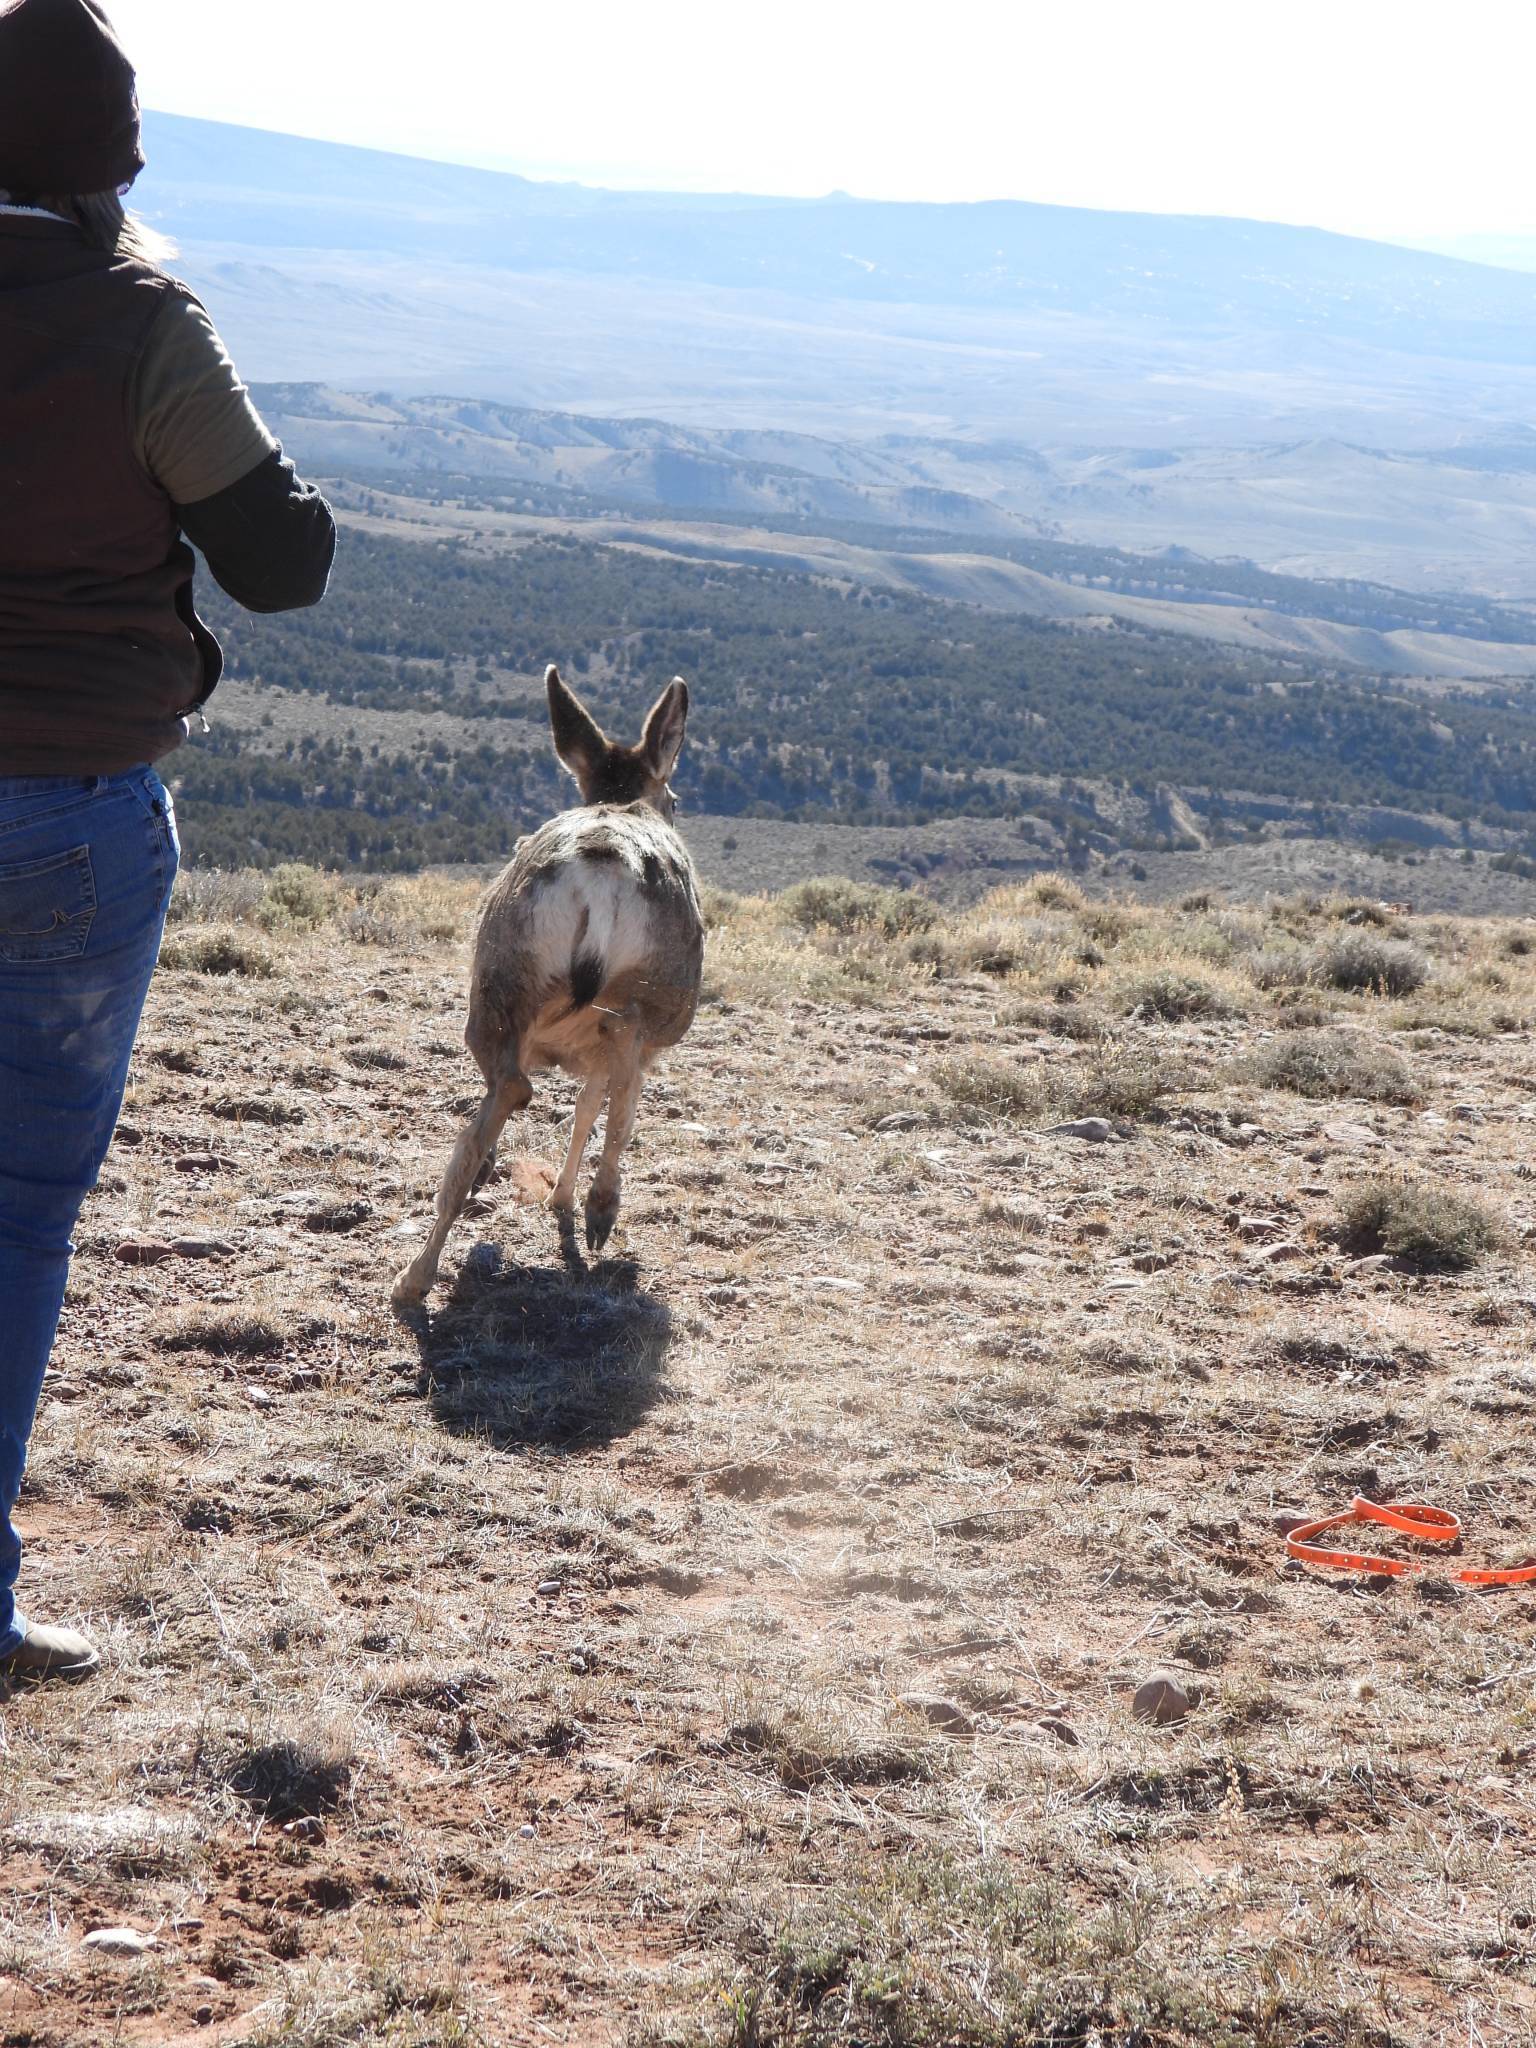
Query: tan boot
51	1653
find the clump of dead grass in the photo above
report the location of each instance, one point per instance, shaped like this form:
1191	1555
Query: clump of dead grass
807	1743
218	951
388	1998
1433	1229
273	1110
1115	1082
291	1778
1324	1064
929	1948
1062	1019
241	1332
1175	997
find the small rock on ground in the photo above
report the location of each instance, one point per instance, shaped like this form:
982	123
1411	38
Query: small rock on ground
1095	1130
943	1713
1161	1699
120	1941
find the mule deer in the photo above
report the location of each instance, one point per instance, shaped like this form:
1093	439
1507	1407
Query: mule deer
588	958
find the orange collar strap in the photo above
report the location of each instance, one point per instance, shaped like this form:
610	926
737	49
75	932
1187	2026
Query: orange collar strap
1409	1518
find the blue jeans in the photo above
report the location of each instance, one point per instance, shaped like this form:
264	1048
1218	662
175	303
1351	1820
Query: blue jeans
86	868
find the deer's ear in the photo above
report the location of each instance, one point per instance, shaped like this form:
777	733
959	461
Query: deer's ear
579	739
663	740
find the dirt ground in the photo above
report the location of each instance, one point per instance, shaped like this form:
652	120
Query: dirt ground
734	1640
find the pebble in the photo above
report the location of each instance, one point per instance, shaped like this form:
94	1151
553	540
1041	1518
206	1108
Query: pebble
1053	1724
1257	1226
203	1248
943	1713
1277	1254
1152	1262
204	1162
1353	1135
137	1251
1094	1130
1161	1699
550	1589
901	1120
528	1831
120	1941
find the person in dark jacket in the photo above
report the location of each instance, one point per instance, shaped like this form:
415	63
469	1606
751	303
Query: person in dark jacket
124	434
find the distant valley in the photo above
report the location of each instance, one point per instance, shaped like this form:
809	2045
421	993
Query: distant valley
1317	404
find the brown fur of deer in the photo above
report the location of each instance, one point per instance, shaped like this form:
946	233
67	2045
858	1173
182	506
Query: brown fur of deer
588	958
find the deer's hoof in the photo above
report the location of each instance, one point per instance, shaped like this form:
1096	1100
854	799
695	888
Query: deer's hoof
602	1214
409	1290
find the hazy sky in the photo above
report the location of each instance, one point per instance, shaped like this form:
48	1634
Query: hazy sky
1386	117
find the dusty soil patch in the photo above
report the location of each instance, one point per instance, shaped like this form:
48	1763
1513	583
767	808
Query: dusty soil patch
734	1640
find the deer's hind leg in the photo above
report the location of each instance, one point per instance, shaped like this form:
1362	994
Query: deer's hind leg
509	1090
625	1076
589	1104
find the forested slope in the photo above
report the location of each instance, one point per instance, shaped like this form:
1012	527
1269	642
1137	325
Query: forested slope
813	701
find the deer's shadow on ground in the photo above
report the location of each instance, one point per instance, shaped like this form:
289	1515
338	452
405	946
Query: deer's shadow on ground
557	1353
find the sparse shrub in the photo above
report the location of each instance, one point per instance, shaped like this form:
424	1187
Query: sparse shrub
1279	967
216	896
1053	892
991	950
1517	945
1294	1011
218	952
1072	1020
1116	1084
718	907
1433	1229
833	903
1201	899
1324	1064
992	1088
1384	967
1111	1084
297	898
1105	923
1176	997
932	952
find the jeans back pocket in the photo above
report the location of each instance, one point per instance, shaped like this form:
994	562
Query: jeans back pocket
47	906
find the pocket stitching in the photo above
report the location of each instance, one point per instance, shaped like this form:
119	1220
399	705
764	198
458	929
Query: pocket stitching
37	947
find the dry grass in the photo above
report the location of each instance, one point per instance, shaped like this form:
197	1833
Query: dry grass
733	1640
